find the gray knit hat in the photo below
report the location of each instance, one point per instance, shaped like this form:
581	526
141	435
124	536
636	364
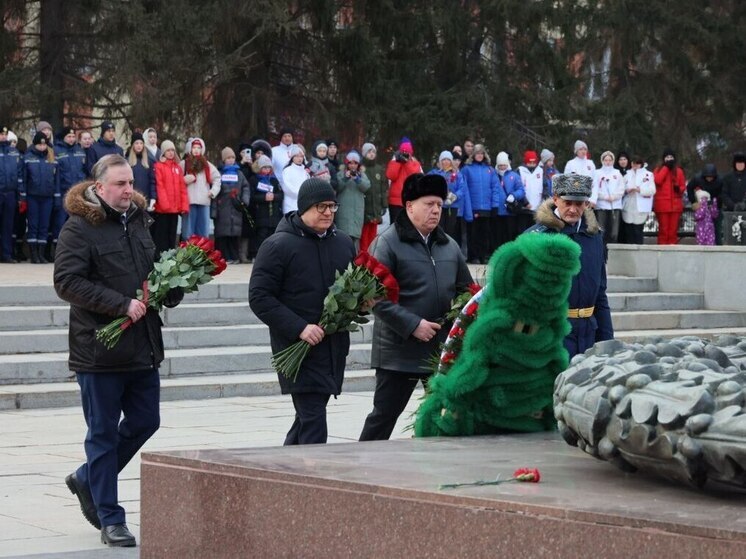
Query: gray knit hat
367	146
314	191
546	155
572	187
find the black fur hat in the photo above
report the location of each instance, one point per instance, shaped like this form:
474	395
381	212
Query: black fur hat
419	185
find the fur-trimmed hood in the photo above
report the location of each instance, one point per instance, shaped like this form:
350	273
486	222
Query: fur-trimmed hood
81	200
545	216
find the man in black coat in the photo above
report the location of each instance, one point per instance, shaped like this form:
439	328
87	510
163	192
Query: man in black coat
293	271
104	255
105	145
431	271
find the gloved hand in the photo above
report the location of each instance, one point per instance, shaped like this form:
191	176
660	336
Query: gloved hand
22	207
173	297
510	198
151	205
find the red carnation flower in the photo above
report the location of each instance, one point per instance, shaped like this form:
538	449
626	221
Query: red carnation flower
456	332
475	288
531	475
471	310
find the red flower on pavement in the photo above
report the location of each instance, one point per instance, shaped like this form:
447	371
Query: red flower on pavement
531	475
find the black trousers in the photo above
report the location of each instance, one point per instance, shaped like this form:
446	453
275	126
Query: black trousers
309	426
451	223
633	234
393	390
479	238
504	230
163	232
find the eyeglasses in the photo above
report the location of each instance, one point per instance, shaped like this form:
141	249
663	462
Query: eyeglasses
321	208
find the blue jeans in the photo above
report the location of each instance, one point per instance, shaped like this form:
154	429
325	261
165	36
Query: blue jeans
110	443
196	222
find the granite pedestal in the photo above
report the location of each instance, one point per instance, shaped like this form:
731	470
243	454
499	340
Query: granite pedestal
381	499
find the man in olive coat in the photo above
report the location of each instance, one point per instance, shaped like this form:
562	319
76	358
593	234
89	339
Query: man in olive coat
431	271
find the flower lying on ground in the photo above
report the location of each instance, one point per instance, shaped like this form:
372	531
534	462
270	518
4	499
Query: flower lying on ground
529	475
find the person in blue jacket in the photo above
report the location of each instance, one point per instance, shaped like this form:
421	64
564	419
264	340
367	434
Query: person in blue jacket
11	178
457	206
71	168
568	213
142	169
41	191
481	183
505	224
105	145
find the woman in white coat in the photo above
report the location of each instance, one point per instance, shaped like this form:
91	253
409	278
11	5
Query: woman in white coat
638	201
203	184
293	175
608	191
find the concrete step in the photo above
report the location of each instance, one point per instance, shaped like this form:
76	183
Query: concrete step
26	295
16	317
45	295
67	394
677	320
708	334
56	339
629	284
53	367
655	301
227	313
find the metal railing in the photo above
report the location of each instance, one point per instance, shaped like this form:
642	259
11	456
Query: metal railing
686	224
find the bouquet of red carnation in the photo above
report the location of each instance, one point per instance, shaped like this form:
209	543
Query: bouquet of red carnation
194	263
365	279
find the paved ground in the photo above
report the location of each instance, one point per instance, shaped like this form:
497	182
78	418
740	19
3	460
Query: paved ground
39	518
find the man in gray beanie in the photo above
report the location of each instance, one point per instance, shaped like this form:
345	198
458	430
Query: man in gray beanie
292	273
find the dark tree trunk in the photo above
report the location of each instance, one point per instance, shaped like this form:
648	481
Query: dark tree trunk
52	57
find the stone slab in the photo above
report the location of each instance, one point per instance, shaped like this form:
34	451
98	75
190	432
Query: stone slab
381	499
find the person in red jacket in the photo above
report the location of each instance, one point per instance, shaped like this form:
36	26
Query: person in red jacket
399	168
172	199
670	186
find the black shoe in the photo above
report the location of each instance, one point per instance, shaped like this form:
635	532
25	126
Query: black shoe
41	253
473	261
117	535
9	261
87	507
34	250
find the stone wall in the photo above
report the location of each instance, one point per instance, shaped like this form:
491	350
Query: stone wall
717	272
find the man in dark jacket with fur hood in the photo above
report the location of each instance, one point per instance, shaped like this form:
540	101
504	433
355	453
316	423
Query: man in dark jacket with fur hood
104	255
293	271
569	213
431	271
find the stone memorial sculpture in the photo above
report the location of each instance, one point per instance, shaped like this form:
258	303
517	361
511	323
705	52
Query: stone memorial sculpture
675	408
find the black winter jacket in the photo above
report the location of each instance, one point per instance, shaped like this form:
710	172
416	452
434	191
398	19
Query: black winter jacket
98	268
430	276
292	273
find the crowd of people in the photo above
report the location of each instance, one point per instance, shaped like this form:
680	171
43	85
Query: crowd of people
241	198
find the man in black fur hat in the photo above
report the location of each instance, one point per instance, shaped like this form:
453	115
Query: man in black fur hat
431	271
